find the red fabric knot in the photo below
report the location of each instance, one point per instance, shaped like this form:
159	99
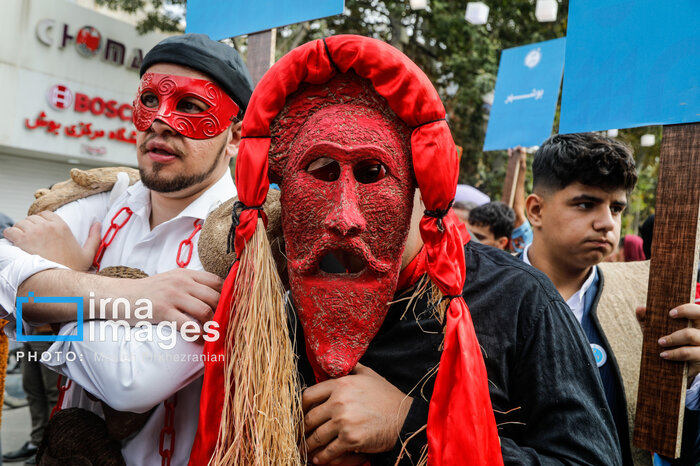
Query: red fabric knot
238	209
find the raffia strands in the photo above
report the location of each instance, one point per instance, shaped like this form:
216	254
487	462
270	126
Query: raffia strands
262	420
423	287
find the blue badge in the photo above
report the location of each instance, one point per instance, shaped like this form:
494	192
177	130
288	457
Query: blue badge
601	357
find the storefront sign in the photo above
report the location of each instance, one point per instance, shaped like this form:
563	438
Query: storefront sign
88	42
60	97
79	130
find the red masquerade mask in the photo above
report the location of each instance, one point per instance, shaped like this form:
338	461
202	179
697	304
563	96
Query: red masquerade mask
195	108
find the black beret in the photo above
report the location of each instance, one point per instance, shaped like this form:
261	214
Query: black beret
218	61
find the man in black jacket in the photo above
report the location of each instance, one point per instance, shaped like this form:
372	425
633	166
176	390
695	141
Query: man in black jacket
548	402
547	398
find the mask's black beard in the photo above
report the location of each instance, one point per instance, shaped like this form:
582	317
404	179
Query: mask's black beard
156	183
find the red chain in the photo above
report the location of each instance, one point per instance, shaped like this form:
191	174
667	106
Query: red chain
188	243
168	431
114	227
109	236
62	389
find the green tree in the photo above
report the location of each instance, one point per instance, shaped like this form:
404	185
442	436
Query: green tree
460	58
160	15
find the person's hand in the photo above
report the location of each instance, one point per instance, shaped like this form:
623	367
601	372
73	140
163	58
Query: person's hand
47	235
641	313
179	295
359	413
519	152
687	340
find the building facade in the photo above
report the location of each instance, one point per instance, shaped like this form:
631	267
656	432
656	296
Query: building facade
69	75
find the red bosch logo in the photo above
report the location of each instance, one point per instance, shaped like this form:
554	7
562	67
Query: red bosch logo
59	97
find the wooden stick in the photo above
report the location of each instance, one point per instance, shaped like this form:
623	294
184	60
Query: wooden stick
509	184
674	259
261	53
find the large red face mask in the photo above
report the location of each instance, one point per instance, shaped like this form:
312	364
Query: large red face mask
347	196
195	108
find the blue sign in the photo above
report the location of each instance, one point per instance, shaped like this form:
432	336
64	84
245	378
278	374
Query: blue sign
221	19
78	301
527	90
631	63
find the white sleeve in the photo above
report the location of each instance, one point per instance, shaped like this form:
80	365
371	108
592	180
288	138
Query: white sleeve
129	368
16	265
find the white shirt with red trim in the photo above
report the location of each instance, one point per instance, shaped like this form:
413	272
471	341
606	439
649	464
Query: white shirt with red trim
130	375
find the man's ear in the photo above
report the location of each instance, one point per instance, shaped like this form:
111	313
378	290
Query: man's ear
233	139
502	242
534	205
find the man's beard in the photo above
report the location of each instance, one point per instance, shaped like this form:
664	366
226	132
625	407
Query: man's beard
156	183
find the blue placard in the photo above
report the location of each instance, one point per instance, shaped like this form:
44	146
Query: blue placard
527	89
221	19
631	63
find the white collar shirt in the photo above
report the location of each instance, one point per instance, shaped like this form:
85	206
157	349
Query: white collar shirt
129	375
577	301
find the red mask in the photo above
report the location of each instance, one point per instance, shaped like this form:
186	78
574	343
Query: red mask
165	97
347	196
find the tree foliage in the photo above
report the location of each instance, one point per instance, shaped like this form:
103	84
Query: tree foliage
460	58
154	15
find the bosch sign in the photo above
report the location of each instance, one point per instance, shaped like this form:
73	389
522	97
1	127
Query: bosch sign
60	98
88	42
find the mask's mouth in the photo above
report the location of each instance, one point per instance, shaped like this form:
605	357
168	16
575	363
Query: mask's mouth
338	261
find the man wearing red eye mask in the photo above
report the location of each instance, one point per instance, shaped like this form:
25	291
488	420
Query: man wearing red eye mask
187	113
409	342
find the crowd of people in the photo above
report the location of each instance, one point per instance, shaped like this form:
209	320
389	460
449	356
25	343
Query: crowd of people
391	317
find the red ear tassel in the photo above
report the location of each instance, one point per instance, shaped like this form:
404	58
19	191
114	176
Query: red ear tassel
461	424
212	400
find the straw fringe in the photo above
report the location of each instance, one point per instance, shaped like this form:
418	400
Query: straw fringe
262	420
423	287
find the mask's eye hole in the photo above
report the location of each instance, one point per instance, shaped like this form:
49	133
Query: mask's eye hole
369	171
324	169
191	105
149	100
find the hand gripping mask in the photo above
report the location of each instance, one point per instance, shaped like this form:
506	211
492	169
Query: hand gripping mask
164	97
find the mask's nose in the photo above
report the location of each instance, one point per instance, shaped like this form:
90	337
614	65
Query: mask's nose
345	218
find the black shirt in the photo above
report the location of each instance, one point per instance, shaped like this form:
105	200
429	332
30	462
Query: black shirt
547	397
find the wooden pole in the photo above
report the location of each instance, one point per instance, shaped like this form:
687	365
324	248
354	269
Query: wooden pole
674	259
509	184
261	53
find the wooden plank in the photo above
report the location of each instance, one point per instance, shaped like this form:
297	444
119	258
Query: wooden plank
509	184
261	53
674	259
